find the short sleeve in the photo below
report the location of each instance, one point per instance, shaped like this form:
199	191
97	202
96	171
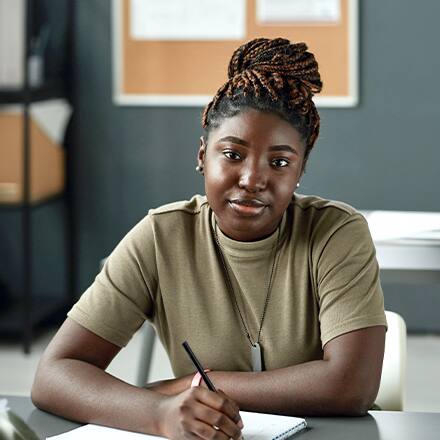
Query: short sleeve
121	297
349	292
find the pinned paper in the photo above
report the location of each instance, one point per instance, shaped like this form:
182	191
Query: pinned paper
270	11
188	19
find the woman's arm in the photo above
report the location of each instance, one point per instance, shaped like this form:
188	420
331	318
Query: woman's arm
71	382
344	382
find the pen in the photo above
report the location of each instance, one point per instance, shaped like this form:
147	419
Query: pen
199	367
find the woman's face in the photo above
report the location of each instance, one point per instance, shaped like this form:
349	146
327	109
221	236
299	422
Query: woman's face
251	164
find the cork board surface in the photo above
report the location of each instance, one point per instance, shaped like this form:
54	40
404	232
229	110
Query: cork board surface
198	68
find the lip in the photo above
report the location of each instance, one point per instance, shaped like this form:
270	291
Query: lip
247	207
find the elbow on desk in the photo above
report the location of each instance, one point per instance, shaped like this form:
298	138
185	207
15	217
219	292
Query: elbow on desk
45	399
352	392
352	400
37	395
40	391
355	406
35	398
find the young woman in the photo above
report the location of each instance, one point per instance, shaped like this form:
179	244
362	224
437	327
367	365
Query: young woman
278	293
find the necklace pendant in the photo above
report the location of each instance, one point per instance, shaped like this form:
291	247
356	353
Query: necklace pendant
257	359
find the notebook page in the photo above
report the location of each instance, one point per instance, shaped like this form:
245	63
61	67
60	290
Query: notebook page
96	432
269	426
256	427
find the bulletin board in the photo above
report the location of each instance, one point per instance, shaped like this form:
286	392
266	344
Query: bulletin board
188	73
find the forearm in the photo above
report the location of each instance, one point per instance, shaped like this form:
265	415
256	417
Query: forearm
83	392
312	388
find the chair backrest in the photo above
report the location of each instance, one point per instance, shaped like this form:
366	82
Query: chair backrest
392	384
148	337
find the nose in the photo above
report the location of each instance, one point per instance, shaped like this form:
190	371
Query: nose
253	178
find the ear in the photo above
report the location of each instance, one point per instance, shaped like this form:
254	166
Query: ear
301	174
202	152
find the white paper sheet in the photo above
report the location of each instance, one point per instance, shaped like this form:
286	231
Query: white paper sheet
52	116
95	432
256	427
188	19
270	11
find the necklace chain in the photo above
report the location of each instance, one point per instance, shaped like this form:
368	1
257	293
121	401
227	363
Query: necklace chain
231	288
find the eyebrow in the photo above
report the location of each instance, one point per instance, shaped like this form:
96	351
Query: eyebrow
239	141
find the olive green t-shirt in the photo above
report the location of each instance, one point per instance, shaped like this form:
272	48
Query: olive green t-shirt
168	270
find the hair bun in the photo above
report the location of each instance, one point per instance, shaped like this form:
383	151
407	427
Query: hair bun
271	75
277	59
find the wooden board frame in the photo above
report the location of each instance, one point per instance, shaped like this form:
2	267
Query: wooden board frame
138	96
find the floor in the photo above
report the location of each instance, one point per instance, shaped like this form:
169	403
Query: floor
422	379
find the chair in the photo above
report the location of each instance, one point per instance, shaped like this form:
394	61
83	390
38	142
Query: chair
148	337
392	383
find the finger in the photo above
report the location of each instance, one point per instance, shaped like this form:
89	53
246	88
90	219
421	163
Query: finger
235	415
206	431
220	402
217	420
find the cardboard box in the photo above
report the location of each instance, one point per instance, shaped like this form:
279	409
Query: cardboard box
47	174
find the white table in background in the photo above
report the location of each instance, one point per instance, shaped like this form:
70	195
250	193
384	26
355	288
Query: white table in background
407	245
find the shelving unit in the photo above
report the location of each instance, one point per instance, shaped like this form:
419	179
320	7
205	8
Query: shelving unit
50	90
28	311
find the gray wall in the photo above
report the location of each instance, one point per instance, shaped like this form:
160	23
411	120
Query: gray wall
382	154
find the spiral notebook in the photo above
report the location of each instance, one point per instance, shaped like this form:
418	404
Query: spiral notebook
256	427
269	426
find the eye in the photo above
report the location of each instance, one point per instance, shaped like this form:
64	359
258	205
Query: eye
280	163
232	155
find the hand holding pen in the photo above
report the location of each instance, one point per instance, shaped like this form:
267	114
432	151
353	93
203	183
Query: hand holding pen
196	412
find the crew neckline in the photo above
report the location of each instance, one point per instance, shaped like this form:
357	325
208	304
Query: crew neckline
249	249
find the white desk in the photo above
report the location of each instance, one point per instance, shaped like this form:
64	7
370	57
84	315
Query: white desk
407	245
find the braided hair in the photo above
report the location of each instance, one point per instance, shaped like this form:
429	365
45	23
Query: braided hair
270	75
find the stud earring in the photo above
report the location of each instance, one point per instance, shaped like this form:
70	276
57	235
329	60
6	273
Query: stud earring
297	185
199	169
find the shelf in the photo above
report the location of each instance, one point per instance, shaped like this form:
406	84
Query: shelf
30	150
44	308
35	204
51	90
